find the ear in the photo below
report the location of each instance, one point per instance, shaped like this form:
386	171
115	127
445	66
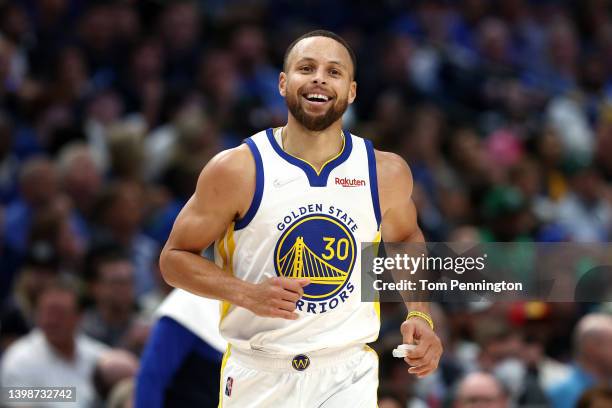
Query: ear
282	84
352	92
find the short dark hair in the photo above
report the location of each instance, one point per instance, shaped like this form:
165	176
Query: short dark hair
66	284
104	251
322	33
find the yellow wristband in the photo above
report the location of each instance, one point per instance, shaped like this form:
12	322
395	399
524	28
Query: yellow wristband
422	315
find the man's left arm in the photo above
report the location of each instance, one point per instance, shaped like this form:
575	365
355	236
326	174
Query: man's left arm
399	224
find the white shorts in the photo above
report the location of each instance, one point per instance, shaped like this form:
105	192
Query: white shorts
323	379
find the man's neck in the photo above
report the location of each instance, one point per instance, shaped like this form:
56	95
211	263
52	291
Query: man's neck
314	147
67	351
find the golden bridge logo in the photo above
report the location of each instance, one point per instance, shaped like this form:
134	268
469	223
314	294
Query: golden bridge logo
320	248
301	262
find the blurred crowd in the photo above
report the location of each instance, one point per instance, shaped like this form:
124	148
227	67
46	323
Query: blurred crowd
110	109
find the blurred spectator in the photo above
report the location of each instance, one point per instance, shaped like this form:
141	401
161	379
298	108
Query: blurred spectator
500	349
584	212
17	310
102	110
502	353
196	140
592	358
142	85
54	354
81	179
38	185
180	25
127	23
97	39
507	216
550	155
125	145
42	221
112	288
388	120
470	160
480	389
534	320
160	143
258	79
527	177
573	115
218	80
557	73
71	77
113	367
119	215
42	258
49	19
55	232
9	164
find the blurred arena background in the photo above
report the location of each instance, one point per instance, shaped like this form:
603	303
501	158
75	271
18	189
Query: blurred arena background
109	110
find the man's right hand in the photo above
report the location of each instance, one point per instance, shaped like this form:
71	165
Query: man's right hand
275	297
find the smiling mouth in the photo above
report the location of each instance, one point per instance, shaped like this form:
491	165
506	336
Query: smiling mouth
317	98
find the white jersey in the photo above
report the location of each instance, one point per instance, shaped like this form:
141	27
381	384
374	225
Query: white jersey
198	314
305	224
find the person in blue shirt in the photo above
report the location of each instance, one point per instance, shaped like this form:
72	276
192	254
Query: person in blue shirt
593	360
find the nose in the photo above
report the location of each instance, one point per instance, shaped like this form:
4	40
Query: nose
319	78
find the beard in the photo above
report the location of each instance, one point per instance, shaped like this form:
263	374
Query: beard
315	123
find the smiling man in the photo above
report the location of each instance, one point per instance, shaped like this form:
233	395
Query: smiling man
287	211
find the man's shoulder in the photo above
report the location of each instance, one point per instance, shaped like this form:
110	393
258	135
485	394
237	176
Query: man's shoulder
27	348
231	162
91	347
570	386
228	156
391	166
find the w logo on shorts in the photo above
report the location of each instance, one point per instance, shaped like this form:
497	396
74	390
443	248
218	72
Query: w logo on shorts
300	362
228	386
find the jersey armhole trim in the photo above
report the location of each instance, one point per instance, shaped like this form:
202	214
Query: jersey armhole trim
373	181
259	186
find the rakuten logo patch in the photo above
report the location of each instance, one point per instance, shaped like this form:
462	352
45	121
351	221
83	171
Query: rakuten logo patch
347	182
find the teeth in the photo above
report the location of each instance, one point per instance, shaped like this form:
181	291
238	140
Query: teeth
317	96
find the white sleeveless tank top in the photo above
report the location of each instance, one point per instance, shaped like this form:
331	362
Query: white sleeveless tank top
198	314
305	224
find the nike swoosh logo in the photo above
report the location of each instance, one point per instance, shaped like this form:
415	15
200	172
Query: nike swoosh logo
280	183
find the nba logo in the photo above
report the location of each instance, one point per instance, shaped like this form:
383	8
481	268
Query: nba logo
228	386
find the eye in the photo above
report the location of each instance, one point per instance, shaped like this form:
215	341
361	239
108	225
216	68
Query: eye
335	72
305	68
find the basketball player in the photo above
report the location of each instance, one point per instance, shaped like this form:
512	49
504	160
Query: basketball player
183	348
287	211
